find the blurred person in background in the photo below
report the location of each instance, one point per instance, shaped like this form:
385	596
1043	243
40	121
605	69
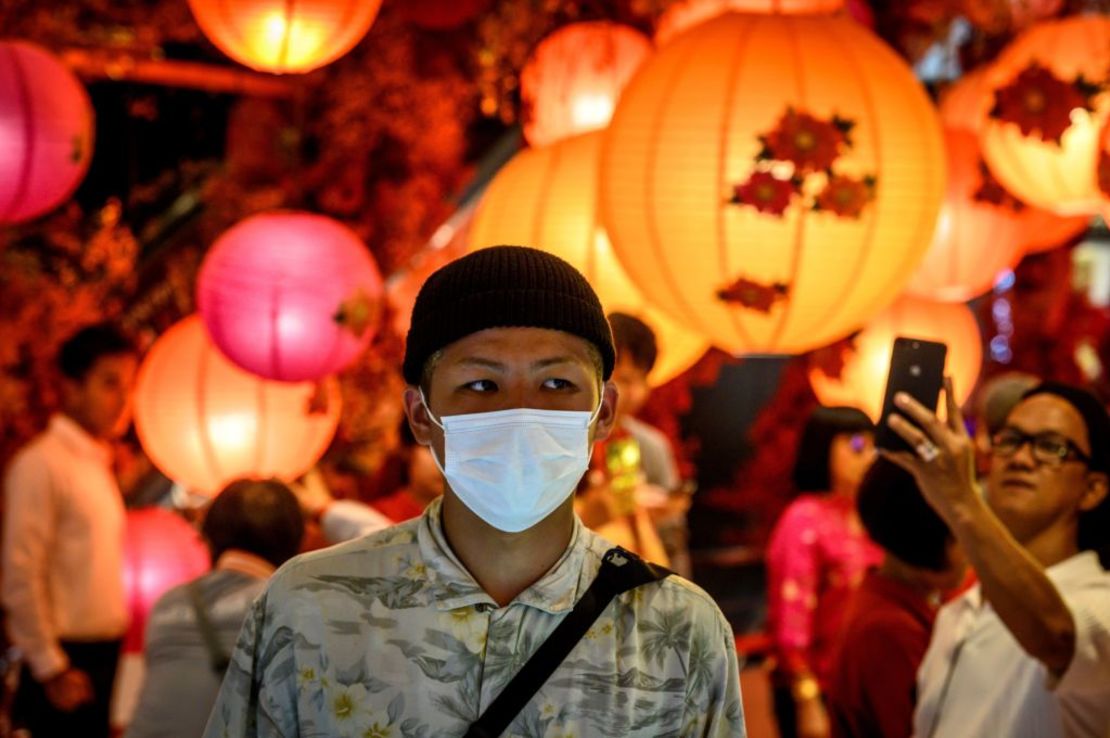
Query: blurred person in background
62	587
817	557
251	528
874	675
422	481
633	495
994	400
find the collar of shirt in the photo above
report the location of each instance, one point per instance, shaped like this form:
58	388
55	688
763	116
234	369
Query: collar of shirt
902	594
1073	570
452	586
243	562
78	440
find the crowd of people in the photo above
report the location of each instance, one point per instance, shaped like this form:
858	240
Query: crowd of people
531	574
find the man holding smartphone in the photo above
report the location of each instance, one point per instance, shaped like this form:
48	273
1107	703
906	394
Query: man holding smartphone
1027	651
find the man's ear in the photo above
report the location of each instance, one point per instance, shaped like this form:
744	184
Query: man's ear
607	413
418	416
1098	485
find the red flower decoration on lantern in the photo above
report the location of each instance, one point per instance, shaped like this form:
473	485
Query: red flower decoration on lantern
1041	103
810	147
753	295
809	143
846	196
765	192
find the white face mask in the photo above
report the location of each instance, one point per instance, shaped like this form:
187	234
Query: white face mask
512	468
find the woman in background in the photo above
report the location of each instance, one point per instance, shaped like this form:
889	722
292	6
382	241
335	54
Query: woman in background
817	556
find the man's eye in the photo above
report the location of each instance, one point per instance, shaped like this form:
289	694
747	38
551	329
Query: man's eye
481	385
557	384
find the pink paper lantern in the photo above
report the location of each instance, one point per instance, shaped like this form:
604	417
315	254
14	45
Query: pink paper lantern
46	132
290	296
160	551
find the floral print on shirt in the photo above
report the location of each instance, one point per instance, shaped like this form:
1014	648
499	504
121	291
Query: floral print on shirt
389	636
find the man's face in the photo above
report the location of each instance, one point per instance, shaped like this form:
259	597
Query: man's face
101	402
632	385
505	368
1031	496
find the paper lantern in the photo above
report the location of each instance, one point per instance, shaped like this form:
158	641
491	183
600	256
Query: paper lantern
688	13
1045	231
714	184
204	421
281	36
290	296
573	78
979	231
1006	16
160	551
547	198
46	132
862	380
966	104
1041	140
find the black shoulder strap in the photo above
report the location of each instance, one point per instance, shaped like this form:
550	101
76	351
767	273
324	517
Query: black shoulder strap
218	657
620	571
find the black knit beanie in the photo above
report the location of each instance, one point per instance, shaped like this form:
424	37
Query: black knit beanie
504	287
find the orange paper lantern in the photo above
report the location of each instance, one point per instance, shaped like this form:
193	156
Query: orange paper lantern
1041	140
573	78
862	380
1045	231
547	198
979	231
205	422
282	37
1005	16
689	13
966	105
714	184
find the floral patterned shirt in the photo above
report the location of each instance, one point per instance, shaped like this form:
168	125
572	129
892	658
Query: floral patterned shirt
389	635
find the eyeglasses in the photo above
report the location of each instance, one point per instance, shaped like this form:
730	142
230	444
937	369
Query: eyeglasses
1048	448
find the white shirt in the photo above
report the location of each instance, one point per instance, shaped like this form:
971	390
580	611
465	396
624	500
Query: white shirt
976	681
62	547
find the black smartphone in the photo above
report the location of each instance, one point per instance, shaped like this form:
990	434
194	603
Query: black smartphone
916	368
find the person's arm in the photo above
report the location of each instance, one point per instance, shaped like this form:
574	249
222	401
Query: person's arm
1016	585
257	698
793	583
28	539
718	708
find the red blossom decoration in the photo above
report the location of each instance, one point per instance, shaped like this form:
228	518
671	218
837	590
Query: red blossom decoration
753	295
765	192
992	192
1041	103
811	144
846	196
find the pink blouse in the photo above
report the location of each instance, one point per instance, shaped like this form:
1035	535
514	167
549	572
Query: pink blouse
817	556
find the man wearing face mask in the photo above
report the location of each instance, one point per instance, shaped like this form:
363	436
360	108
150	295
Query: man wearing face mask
432	628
